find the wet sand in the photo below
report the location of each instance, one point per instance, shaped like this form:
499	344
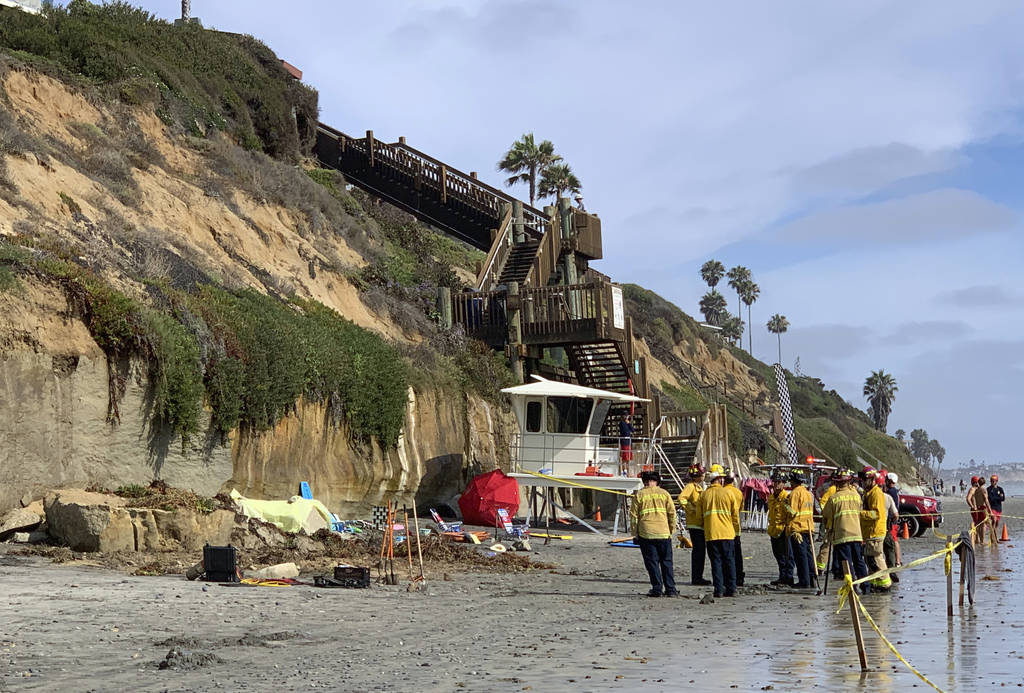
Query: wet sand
583	627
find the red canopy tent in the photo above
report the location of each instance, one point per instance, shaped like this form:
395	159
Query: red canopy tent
486	493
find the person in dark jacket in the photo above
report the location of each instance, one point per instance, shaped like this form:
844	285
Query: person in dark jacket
996	496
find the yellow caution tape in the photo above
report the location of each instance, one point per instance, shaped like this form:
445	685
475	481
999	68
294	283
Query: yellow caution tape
847	591
573	483
913	564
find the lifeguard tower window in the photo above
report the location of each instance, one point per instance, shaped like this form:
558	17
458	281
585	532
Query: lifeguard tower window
568	414
533	414
601	413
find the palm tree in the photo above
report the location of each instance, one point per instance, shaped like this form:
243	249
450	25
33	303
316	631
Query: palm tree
525	160
712	305
900	434
748	294
711	272
737	276
778	324
557	179
732	328
919	444
880	390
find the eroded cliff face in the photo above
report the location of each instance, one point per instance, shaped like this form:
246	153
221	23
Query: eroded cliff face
54	430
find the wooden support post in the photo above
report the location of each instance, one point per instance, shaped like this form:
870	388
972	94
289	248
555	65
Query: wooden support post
949	586
444	306
369	146
444	185
518	223
515	332
401	139
856	622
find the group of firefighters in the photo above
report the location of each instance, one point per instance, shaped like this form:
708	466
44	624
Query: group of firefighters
859	515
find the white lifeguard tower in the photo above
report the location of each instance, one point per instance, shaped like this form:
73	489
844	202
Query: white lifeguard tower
559	444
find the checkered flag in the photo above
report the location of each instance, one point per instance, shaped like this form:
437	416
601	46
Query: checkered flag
380	517
787	413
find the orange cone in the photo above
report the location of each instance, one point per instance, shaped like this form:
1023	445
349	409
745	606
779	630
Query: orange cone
906	531
1006	534
597	516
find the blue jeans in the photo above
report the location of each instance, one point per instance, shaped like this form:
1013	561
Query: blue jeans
784	557
737	557
657	555
723	569
800	545
698	555
853	552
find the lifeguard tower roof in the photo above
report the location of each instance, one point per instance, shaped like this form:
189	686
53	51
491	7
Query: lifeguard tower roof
553	388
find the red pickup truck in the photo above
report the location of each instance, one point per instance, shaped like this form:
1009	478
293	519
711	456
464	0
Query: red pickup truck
919	513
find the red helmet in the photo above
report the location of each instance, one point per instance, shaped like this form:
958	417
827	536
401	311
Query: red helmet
880	477
696	469
974	479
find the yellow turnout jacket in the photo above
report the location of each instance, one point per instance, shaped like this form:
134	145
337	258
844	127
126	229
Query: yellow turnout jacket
776	515
689	498
718	506
653	514
873	516
731	488
799	511
842	515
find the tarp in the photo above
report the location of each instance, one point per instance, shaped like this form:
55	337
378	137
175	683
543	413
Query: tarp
485	494
762	487
290	515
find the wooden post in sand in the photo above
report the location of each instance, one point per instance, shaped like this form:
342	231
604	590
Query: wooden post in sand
949	584
856	621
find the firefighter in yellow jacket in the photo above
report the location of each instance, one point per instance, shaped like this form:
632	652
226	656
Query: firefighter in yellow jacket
689	499
799	513
825	539
653	518
777	530
729	484
873	526
841	515
718	506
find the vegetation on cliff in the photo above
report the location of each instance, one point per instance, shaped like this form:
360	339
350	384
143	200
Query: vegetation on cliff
196	79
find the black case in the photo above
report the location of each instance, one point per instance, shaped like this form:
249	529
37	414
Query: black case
220	563
352	576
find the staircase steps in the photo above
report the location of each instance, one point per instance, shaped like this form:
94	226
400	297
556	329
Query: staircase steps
519	262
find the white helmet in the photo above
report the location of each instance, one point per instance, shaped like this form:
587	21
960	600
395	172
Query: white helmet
893	477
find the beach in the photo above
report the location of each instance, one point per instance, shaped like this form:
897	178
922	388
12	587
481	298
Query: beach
583	626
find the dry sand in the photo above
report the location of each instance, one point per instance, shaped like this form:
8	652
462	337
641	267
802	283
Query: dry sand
584	626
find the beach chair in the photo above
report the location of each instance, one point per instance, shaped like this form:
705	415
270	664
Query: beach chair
512	531
445	526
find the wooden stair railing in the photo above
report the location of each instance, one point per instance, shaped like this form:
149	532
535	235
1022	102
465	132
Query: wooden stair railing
500	249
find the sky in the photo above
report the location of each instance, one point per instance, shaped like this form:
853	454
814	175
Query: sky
863	159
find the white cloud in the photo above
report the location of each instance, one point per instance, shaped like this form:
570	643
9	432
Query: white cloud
931	216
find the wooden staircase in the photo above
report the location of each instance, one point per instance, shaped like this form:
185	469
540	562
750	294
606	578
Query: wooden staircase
429	189
680	455
519	262
602	365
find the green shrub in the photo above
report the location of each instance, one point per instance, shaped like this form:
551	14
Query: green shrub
200	79
685	397
276	353
176	374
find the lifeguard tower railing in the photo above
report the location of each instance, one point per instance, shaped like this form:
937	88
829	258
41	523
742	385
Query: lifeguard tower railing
553	456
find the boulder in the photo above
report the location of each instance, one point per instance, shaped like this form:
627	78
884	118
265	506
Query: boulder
19	520
85	521
190	529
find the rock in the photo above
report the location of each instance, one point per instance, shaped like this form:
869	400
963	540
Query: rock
86	521
20	520
276	572
707	599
